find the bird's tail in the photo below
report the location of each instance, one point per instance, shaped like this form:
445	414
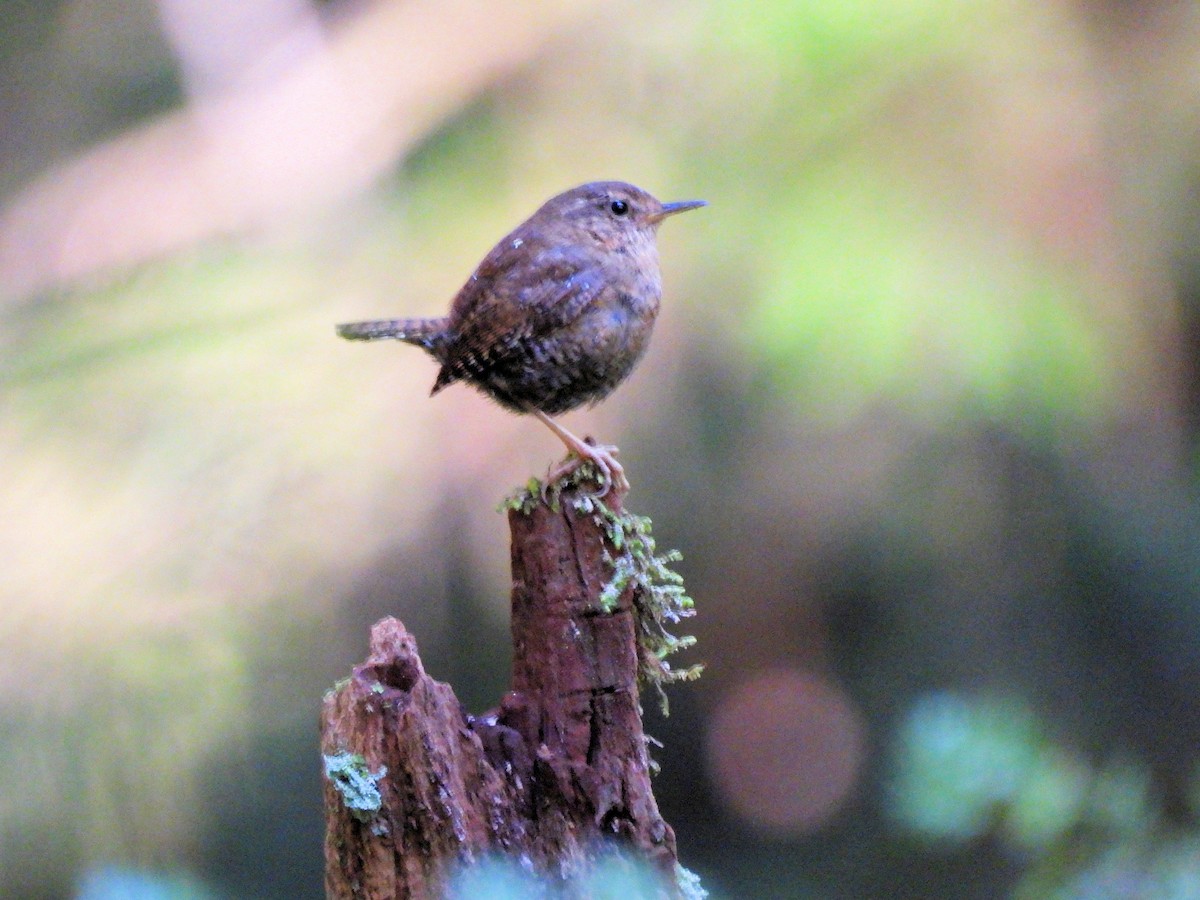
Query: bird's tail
427	333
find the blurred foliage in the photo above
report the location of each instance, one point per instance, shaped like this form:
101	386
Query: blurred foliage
895	308
124	884
613	877
969	769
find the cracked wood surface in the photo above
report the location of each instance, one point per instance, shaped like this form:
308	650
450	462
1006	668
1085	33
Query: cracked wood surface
551	777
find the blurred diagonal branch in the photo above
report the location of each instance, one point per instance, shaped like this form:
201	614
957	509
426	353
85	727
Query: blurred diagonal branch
340	115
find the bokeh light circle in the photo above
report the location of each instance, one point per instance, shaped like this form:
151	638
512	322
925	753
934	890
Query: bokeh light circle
785	749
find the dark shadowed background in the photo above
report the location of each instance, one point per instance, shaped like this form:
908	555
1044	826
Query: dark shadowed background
922	413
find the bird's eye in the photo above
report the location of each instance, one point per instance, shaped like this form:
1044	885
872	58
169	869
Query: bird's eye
619	207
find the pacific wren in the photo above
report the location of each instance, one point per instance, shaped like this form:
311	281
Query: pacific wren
557	314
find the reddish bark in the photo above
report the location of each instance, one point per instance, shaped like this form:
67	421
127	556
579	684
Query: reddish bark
553	776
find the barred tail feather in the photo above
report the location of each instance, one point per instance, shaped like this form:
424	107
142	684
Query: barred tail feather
426	333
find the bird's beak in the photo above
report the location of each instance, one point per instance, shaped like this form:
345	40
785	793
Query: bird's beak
669	209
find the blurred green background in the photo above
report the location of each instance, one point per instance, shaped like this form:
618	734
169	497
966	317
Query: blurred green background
922	412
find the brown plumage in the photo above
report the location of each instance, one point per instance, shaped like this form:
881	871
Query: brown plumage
557	314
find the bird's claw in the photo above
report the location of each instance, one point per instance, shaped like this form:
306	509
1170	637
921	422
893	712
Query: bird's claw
603	457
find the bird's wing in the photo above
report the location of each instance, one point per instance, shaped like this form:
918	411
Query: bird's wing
515	298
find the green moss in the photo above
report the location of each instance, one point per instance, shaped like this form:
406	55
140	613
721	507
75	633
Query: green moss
357	784
524	500
659	599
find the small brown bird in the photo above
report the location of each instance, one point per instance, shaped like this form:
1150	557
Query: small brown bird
557	314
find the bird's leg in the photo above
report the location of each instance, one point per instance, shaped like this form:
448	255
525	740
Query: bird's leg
603	457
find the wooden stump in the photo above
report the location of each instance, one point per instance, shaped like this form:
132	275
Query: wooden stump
553	777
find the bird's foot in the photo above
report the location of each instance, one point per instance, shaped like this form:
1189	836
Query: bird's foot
603	457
